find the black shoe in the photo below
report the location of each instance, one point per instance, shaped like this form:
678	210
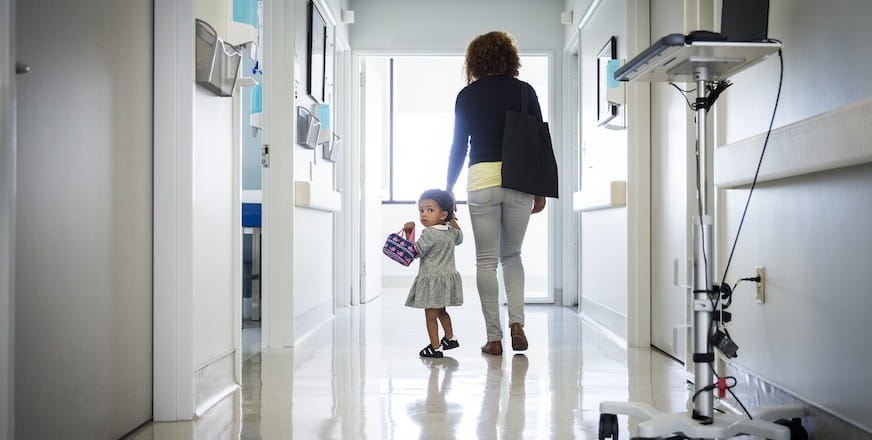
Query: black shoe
430	352
448	344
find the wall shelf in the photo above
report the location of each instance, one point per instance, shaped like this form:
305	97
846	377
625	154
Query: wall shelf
308	195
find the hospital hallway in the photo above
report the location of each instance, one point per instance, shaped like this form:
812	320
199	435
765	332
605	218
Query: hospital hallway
360	377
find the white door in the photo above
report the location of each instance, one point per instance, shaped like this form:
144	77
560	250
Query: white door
84	210
673	196
374	134
669	216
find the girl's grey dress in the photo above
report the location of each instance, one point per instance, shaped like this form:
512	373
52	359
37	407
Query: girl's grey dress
438	283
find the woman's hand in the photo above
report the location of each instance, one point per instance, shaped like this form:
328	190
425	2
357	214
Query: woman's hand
409	227
538	203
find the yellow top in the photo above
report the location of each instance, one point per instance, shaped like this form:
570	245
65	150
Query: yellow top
484	175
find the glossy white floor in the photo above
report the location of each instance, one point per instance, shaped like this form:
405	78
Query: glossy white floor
360	377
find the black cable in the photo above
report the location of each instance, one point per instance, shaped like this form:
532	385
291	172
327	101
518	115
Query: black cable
730	389
759	163
684	93
680	89
740	402
702	390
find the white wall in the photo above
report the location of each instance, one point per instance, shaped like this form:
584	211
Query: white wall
83	348
313	229
451	24
7	219
604	158
213	191
578	8
811	336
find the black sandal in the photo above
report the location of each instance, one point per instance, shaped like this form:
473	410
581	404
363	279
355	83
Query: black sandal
430	352
448	344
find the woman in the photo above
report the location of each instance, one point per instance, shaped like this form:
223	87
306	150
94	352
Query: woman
499	215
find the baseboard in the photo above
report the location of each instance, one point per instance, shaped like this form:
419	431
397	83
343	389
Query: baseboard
820	423
220	422
608	319
312	320
213	382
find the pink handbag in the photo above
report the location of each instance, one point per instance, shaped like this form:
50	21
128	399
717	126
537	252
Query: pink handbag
400	249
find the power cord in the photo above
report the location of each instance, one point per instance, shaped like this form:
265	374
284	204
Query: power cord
759	163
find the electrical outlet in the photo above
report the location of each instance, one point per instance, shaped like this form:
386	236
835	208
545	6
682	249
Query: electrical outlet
761	285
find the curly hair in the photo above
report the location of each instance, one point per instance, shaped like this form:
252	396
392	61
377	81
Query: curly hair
442	198
493	53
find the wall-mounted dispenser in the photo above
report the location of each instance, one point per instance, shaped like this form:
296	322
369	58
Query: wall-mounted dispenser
308	128
332	148
217	63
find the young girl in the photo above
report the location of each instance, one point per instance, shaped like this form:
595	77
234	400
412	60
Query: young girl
438	283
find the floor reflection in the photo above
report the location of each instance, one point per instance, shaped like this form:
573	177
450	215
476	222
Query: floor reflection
359	377
435	409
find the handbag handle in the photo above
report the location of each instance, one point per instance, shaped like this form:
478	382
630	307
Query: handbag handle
524	99
410	236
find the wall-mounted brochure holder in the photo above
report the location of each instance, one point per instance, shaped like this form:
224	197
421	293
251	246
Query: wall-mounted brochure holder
217	63
308	128
331	149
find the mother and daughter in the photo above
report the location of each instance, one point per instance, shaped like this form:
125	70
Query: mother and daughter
499	216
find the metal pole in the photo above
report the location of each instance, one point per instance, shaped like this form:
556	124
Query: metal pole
703	267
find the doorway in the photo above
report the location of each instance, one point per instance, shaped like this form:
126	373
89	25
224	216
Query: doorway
252	202
406	120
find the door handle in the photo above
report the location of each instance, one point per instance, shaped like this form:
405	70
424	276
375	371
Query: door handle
21	68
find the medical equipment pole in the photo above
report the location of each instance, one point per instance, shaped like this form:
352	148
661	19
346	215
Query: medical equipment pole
703	262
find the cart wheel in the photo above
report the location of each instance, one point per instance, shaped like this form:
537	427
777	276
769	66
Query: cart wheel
797	432
608	427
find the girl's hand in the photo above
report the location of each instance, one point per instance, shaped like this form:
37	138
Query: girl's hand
538	204
409	227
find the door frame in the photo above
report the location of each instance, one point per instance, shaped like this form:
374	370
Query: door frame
7	218
346	226
638	185
571	167
279	82
173	332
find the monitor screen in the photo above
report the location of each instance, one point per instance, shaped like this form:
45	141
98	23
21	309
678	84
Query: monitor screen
745	20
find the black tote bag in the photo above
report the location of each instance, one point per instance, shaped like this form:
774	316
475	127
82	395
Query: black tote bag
528	157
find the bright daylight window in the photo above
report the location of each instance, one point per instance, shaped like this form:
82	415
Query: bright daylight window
424	89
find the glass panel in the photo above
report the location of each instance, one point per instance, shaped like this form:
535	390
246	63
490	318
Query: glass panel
425	89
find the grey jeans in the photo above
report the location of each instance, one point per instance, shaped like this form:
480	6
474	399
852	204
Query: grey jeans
499	219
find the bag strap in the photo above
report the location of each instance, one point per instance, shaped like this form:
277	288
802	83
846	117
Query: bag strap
410	236
524	98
